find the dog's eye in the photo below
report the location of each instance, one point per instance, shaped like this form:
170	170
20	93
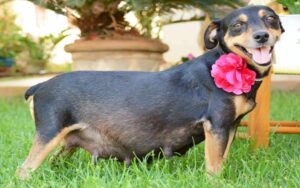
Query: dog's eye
270	18
237	25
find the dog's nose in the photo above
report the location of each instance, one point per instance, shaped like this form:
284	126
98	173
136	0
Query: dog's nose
261	36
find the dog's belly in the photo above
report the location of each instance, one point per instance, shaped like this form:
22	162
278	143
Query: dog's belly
106	142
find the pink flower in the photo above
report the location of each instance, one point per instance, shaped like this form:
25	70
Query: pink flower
190	56
230	73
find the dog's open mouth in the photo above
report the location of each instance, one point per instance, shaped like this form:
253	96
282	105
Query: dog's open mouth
261	56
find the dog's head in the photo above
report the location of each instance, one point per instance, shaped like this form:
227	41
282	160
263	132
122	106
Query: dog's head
250	32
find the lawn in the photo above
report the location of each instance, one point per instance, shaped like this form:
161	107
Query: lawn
279	166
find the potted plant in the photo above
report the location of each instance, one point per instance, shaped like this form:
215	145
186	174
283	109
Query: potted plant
288	62
10	43
39	51
108	41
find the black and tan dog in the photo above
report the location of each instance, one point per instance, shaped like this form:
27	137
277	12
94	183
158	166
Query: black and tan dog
128	114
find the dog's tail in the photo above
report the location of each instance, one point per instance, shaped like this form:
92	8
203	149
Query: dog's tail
31	91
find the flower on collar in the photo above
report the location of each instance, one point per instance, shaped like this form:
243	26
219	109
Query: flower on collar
230	73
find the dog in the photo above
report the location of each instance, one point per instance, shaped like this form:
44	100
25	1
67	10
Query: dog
129	114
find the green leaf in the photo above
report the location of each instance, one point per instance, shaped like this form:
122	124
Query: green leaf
75	3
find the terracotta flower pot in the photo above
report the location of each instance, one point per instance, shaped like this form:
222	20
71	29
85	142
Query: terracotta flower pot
117	54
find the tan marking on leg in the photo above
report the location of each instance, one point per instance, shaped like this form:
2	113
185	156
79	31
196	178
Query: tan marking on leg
213	151
31	106
243	18
261	13
230	139
242	105
23	171
40	151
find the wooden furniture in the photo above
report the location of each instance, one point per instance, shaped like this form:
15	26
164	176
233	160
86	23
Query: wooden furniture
259	123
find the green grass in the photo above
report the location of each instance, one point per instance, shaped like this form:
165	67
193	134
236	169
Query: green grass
279	166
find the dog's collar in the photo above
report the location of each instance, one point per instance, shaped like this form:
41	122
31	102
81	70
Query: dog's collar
259	79
259	76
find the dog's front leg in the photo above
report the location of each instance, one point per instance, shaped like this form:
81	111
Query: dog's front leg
217	142
231	136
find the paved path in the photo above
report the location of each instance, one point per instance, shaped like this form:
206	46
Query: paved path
14	87
286	82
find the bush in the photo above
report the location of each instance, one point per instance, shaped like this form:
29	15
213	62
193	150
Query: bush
11	36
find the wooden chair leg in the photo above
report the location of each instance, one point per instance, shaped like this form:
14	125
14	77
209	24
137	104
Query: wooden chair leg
259	118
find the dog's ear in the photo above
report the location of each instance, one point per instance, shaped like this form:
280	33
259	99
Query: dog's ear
210	35
281	27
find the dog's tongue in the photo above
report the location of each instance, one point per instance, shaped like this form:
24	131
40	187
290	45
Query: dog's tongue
261	55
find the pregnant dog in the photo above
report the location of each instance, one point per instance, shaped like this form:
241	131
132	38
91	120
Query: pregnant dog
129	114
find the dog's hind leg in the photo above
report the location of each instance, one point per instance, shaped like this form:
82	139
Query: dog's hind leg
64	151
43	144
58	153
216	141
